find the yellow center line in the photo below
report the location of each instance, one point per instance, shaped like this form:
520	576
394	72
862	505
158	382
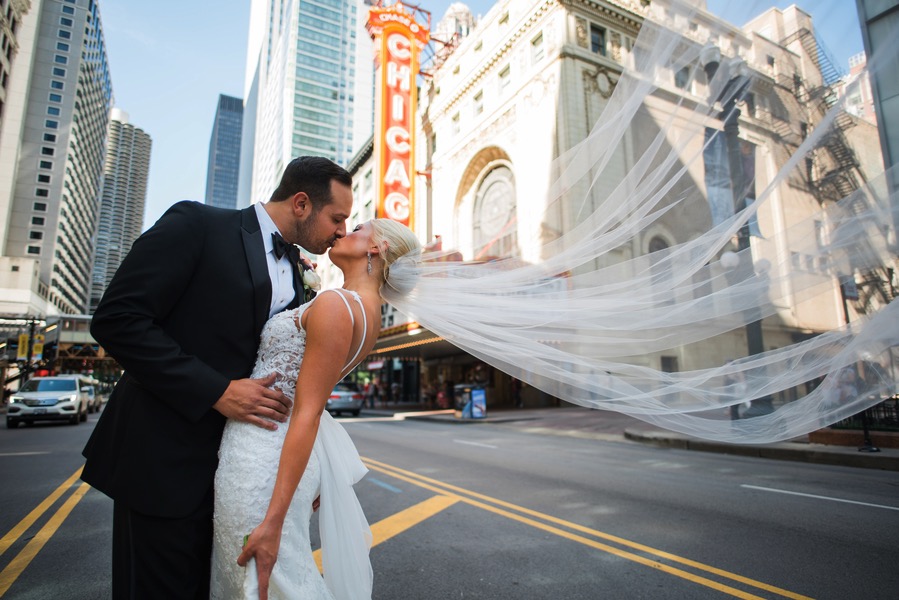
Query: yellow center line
396	524
16	532
442	488
12	571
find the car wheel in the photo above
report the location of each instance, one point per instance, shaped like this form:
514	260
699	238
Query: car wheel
11	423
355	413
76	418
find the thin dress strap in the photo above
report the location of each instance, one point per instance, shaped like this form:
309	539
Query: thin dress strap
353	319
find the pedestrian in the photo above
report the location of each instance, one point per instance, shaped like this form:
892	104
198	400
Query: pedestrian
515	386
371	394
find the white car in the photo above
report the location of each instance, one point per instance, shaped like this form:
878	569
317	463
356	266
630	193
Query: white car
60	398
346	397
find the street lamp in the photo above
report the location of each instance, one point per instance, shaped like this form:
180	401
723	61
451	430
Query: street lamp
733	92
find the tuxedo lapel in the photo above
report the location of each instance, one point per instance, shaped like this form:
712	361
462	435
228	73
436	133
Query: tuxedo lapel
255	252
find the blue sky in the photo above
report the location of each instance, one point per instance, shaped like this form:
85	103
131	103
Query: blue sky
170	59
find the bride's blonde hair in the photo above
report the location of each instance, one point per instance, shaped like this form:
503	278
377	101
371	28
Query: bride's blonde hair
395	241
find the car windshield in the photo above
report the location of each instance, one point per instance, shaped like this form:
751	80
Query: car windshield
49	385
346	387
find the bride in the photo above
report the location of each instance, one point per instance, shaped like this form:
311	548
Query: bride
267	481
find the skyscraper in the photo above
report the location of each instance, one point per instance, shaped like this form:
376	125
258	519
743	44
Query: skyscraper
308	87
122	200
224	153
10	19
52	159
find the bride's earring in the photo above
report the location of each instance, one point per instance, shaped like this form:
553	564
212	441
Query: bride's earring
369	262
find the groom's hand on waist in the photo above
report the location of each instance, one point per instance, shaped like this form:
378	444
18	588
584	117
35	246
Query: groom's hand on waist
253	401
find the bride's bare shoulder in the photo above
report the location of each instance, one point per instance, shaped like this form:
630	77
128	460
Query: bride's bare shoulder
328	310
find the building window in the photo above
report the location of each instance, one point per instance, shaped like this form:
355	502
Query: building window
37	220
504	77
53	111
49	137
64	34
682	78
42	192
40	206
495	218
60	59
598	39
45	164
34	249
51	124
66	21
456	125
58	72
68	10
43	178
669	364
659	276
57	85
537	49
62	46
36	235
479	102
55	98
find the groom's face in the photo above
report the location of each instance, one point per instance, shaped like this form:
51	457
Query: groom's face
317	230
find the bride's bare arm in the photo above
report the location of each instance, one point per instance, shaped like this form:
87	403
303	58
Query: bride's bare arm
329	333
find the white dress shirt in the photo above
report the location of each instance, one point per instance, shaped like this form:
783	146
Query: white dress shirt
280	270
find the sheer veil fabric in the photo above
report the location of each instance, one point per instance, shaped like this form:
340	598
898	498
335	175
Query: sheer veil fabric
579	325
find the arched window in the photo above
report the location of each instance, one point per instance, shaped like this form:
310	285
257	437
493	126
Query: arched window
495	220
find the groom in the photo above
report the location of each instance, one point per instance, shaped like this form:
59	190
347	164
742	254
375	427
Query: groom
183	316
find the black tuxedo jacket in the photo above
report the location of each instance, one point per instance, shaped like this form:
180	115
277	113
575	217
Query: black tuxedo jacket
183	316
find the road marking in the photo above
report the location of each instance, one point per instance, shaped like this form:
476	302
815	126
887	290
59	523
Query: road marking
395	524
5	454
10	538
384	485
396	416
777	491
475	444
445	488
12	571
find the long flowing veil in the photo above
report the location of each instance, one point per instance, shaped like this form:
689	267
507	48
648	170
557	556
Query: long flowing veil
579	322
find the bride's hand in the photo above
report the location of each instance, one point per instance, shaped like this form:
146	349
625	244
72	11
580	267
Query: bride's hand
262	545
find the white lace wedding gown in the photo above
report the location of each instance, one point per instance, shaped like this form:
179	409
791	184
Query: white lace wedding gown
248	464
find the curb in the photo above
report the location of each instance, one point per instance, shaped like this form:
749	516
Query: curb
797	452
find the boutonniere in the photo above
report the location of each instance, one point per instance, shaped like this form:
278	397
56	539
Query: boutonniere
311	282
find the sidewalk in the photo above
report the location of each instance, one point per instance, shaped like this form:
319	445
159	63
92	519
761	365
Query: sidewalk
612	426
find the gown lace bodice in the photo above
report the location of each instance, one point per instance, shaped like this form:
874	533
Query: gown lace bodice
248	464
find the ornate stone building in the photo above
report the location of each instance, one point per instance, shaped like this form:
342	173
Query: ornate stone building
530	81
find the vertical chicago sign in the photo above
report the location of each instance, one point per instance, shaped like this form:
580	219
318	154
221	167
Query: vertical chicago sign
398	42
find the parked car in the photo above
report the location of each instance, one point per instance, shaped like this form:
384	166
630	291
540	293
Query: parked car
345	397
63	397
95	402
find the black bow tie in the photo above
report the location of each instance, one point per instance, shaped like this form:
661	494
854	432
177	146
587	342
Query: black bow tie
282	247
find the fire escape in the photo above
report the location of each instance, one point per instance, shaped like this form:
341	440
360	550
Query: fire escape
832	171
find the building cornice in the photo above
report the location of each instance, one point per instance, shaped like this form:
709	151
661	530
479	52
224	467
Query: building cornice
501	52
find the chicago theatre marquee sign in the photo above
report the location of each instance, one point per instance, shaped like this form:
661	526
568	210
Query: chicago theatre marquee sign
398	42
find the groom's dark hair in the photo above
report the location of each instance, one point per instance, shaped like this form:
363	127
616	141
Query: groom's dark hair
313	175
